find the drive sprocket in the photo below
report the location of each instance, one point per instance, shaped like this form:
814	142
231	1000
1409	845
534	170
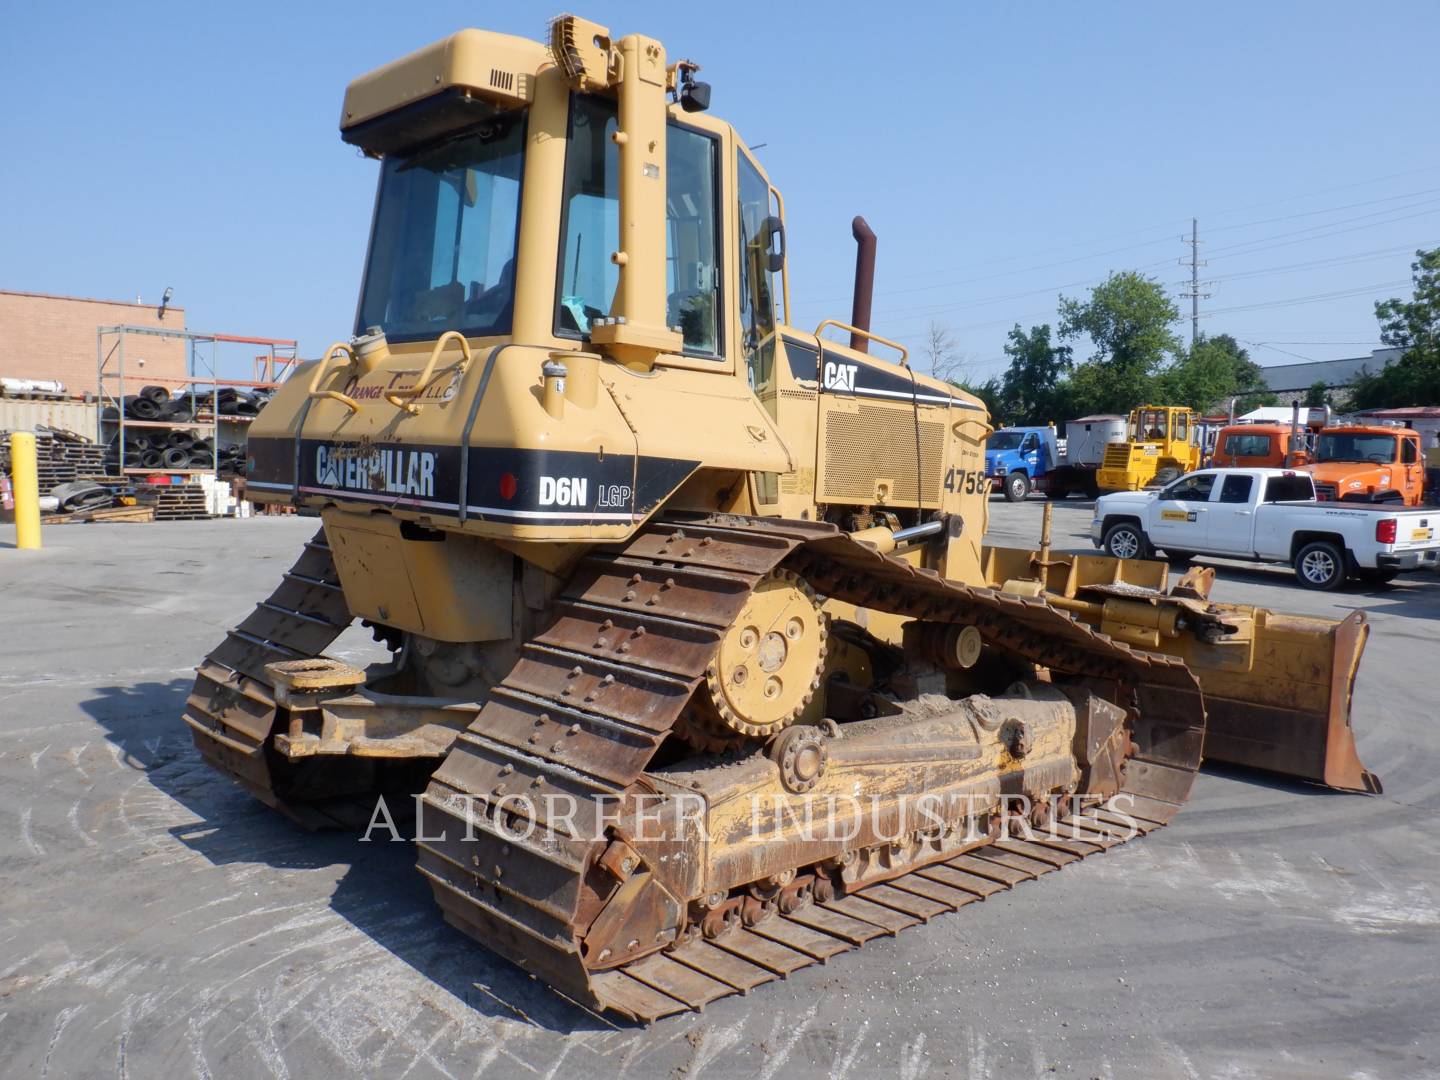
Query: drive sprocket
769	663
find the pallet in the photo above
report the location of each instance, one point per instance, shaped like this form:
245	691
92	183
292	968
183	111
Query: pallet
184	502
61	460
137	514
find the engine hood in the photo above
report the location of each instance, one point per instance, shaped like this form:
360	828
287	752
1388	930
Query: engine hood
1119	499
1354	477
999	457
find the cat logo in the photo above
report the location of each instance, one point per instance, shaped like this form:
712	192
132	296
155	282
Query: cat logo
839	376
387	470
563	490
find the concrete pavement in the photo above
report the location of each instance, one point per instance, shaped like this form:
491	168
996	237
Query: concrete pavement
156	921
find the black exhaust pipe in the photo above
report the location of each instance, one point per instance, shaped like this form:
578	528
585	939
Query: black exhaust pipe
864	282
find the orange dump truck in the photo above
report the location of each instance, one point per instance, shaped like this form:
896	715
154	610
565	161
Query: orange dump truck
1369	463
1259	446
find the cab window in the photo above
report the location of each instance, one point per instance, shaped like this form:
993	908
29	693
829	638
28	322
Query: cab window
1236	489
757	293
1257	446
1409	453
1182	427
1288	489
442	255
591	227
692	269
1196	487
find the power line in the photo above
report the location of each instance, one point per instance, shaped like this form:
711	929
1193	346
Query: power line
1151	243
1334	260
1324	210
1312	299
916	312
1272	348
1320	235
1325	191
1388	215
925	311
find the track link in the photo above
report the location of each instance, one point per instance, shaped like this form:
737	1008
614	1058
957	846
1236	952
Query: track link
701	971
592	698
231	708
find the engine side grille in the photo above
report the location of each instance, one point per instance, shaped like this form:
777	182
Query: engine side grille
873	441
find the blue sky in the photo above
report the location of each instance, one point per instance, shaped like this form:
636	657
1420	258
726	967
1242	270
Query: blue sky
1004	153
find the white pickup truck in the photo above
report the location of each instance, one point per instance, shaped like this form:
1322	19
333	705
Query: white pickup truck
1268	515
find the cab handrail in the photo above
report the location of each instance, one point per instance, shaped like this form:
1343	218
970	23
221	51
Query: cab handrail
322	369
904	352
401	399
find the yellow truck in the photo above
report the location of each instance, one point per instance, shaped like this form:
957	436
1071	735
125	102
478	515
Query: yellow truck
1162	443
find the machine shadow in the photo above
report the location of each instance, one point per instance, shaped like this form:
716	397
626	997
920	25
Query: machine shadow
380	893
1273	781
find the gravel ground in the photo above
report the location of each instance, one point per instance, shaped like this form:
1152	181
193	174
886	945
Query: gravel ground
154	921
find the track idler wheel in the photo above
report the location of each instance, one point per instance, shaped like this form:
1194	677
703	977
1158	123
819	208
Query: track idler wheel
769	663
802	755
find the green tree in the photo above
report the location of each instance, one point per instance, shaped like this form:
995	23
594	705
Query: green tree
1037	366
1250	384
1209	374
1317	395
988	392
1412	325
1128	319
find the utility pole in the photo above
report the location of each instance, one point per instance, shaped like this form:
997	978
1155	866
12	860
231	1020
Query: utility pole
1194	292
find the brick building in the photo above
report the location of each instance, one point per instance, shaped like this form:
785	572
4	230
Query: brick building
53	338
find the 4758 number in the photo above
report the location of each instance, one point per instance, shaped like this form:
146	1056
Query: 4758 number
964	481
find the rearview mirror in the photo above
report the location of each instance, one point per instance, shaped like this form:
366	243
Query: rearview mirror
774	244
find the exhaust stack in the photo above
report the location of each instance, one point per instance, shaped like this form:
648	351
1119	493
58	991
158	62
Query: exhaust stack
864	281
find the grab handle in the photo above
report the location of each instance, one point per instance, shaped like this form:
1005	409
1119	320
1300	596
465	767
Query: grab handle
904	352
322	369
401	398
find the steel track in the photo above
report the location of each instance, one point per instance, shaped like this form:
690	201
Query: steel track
592	698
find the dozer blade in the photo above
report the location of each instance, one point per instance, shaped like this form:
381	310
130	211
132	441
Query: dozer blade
1278	687
1290	713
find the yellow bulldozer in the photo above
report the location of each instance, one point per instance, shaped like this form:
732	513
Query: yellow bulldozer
1162	443
696	658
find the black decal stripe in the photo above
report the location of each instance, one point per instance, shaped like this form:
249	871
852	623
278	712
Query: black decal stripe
887	383
616	487
804	361
882	383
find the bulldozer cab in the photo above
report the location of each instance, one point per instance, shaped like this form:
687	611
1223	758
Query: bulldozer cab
575	300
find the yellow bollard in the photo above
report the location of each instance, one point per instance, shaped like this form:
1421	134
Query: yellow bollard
26	484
